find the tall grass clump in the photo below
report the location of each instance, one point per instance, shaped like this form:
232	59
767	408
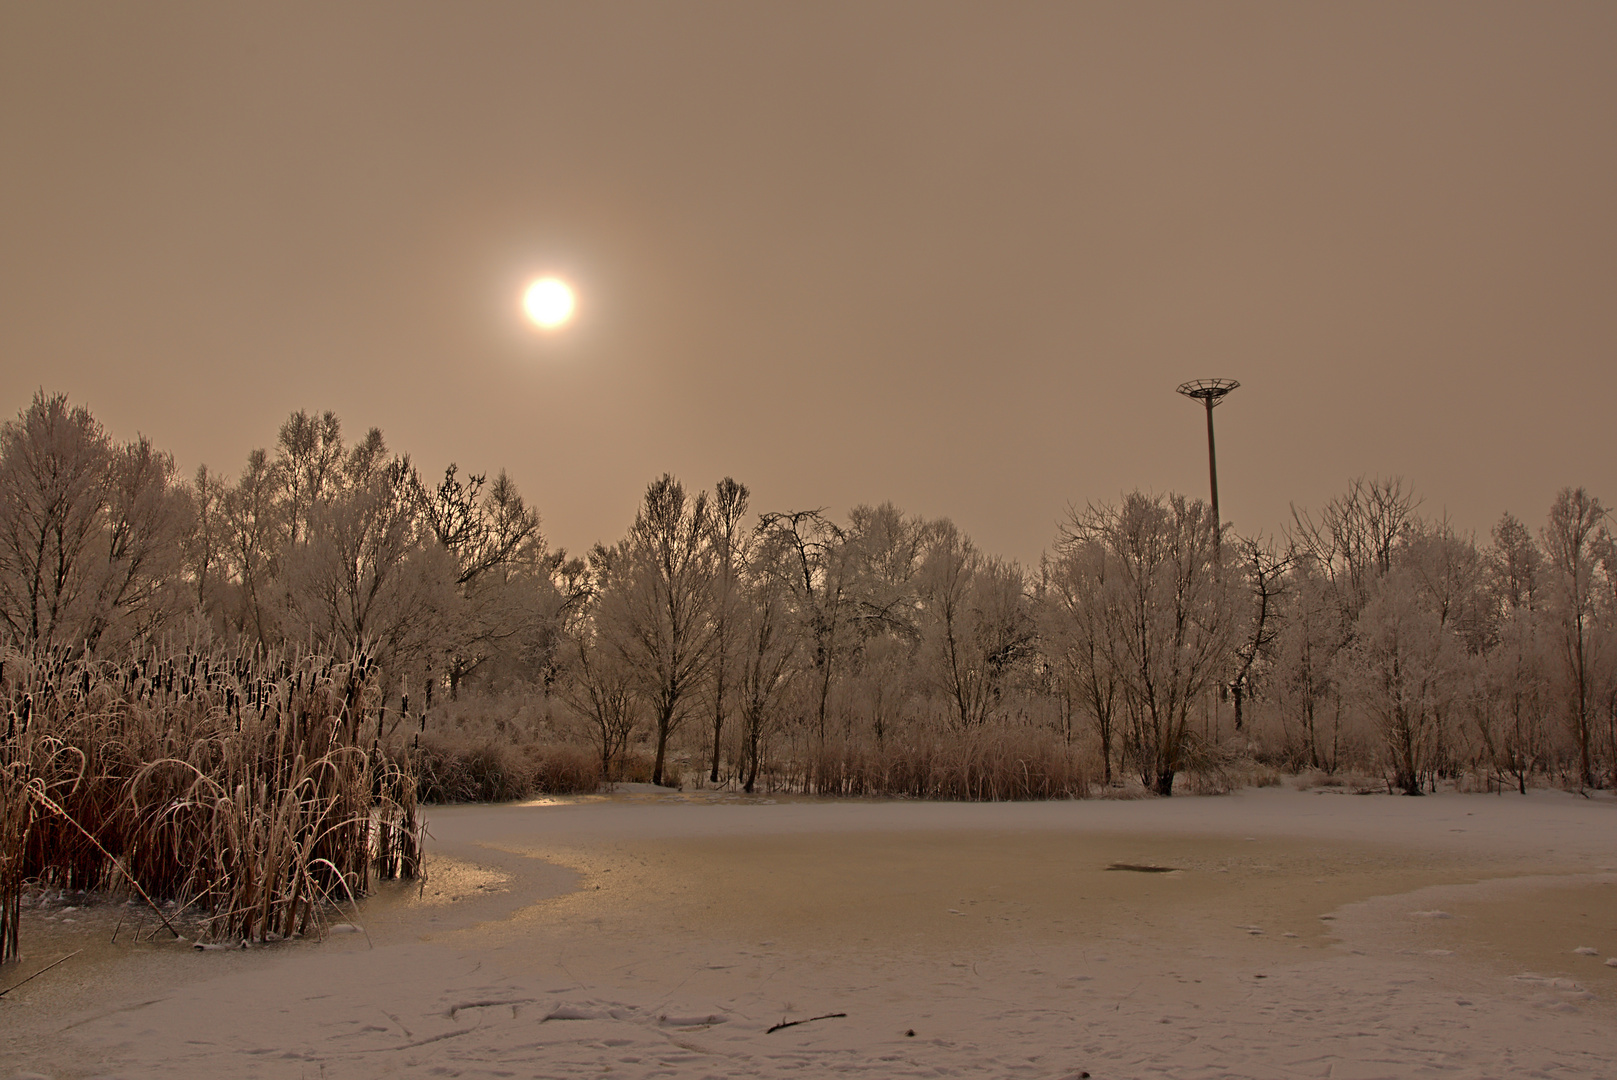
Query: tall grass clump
251	790
457	768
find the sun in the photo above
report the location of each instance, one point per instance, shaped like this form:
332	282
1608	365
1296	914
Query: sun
549	302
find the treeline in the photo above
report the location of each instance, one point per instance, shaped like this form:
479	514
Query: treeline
881	654
322	545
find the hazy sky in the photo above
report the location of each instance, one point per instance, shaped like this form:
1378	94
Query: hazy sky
952	255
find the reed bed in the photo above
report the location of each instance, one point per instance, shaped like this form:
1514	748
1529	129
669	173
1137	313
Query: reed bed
252	792
993	763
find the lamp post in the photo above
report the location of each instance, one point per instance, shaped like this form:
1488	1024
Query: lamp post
1210	392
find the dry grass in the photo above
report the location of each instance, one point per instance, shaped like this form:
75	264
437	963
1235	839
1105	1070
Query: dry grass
1350	782
254	791
455	769
1220	769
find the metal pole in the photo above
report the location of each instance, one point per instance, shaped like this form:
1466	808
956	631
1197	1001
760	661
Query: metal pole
1210	392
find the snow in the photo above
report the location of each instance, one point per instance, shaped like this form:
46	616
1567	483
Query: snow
662	934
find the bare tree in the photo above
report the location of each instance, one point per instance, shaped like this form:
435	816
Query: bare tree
947	575
1606	628
1263	573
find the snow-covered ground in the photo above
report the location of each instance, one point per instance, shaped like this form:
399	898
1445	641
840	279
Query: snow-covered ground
1272	933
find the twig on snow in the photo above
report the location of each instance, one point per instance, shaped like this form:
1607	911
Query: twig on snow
810	1020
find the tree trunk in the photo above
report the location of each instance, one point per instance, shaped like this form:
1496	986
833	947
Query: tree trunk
718	722
752	755
662	749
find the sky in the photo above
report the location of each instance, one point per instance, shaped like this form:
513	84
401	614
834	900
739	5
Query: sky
956	256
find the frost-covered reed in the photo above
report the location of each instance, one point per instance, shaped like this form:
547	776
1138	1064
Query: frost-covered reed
254	791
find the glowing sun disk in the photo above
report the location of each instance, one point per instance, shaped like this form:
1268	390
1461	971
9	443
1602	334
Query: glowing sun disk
549	303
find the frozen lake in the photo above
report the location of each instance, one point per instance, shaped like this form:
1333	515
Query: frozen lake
1272	933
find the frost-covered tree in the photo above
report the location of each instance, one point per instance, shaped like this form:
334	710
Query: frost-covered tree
1340	556
1353	540
886	551
365	580
1403	669
1514	566
1310	636
598	681
1170	626
255	527
819	568
205	546
145	524
1079	611
769	651
500	570
1516	696
729	537
976	623
662	623
1572	538
1513	701
309	463
1449	577
89	530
